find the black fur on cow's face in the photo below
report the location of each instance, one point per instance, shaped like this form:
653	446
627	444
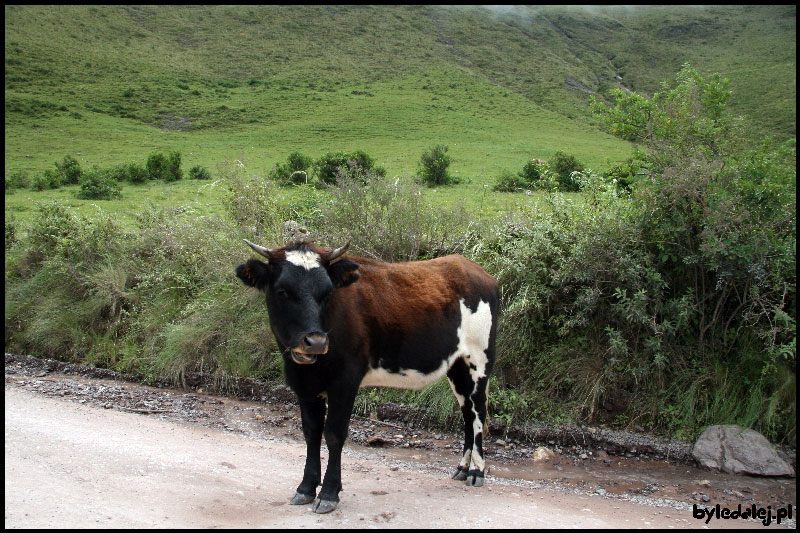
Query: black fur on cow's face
298	281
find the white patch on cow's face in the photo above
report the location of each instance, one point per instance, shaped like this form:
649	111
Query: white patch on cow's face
306	259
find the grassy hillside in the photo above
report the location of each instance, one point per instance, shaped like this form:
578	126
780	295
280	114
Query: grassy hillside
257	82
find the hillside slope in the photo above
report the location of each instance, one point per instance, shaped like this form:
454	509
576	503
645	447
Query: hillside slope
423	71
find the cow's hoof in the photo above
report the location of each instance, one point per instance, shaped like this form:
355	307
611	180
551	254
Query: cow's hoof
460	475
474	478
301	499
323	506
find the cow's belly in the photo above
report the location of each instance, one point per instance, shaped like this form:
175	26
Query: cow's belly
404	378
470	342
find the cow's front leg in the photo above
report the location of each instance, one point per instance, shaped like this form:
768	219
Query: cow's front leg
313	416
340	407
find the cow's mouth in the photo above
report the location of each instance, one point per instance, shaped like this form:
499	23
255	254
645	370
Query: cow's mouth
303	358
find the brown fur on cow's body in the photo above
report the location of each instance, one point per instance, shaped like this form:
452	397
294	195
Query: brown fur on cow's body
385	324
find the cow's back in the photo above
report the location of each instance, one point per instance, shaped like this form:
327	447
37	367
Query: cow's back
410	320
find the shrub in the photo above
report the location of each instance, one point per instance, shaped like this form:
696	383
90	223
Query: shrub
533	172
199	173
99	185
157	166
135	173
69	170
433	167
564	165
507	181
386	218
165	167
48	179
11	232
326	167
294	171
18	179
173	171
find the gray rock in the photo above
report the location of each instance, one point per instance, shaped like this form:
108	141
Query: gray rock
739	451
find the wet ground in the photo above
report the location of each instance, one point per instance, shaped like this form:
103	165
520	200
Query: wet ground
575	469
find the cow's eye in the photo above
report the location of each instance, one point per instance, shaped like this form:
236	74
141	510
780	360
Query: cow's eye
281	293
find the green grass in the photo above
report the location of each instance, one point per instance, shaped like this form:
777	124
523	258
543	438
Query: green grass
223	82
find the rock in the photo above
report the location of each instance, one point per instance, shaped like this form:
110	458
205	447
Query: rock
735	450
294	232
543	454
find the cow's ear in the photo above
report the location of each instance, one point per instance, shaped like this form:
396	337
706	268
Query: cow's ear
254	273
343	272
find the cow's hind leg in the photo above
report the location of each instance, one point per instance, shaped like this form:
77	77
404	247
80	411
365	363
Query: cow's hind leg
468	392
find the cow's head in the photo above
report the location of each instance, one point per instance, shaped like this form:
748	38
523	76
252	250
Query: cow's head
298	281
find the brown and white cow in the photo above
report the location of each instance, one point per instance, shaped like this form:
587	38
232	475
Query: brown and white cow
349	322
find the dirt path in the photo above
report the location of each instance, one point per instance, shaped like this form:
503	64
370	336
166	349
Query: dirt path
95	453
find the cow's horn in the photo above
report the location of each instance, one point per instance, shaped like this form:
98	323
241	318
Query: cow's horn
338	252
266	252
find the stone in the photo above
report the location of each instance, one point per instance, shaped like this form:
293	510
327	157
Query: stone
543	454
735	450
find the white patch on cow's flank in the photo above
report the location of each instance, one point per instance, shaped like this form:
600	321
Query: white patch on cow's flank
306	259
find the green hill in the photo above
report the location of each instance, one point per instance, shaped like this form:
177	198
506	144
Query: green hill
499	86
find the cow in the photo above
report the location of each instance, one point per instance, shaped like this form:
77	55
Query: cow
348	322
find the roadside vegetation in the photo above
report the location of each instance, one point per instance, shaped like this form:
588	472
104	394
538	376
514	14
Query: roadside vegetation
659	292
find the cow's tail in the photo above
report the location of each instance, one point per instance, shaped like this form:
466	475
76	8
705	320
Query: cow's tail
488	416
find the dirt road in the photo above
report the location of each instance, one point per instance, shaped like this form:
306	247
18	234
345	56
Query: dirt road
73	462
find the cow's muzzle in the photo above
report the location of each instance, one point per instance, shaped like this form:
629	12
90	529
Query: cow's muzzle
311	346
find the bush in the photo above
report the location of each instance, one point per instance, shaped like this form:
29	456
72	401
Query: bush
507	181
327	166
135	173
49	179
387	219
433	167
294	171
199	173
156	166
69	171
18	179
564	165
174	172
99	185
165	167
11	232
533	172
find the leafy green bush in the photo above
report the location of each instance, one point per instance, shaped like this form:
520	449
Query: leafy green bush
386	218
18	179
135	173
564	166
11	232
48	179
199	173
164	167
173	171
294	171
534	175
98	184
157	166
433	167
507	181
533	172
327	166
69	171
